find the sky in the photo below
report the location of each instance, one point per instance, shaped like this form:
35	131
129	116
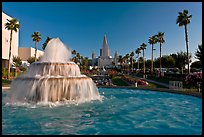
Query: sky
82	25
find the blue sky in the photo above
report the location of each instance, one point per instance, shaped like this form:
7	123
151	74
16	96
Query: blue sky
82	25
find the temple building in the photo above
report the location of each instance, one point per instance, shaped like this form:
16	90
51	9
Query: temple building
105	59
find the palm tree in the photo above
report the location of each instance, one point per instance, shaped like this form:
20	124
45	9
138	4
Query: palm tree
143	47
138	51
123	62
152	41
17	61
120	60
127	56
11	25
160	38
74	55
31	60
132	55
74	52
198	53
182	20
78	57
36	36
46	42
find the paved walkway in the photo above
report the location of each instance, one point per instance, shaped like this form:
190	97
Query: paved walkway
5	87
152	81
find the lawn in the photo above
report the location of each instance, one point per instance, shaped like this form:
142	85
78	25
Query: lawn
6	82
119	82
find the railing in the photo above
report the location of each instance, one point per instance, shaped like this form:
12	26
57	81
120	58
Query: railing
175	84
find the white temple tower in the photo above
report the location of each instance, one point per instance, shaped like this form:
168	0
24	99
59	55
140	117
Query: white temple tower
105	48
105	60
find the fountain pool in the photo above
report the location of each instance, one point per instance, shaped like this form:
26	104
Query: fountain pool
122	111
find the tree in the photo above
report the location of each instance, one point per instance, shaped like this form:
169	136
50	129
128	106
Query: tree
46	42
36	36
196	64
138	51
157	62
17	61
74	55
11	25
124	62
31	60
132	55
152	41
160	38
120	59
78	57
148	64
143	47
183	19
74	52
85	63
127	56
168	61
181	59
198	53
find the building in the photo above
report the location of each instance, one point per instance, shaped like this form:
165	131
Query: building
105	59
26	52
23	52
6	42
94	60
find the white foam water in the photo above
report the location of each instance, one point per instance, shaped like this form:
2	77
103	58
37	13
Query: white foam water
53	79
56	51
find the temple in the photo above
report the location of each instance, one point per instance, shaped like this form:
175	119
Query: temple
104	60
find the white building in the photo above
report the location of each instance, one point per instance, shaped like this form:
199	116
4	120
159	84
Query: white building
6	42
105	60
23	52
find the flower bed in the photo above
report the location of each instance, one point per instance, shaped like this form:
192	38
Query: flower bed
194	79
132	81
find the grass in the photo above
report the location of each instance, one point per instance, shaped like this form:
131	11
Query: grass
119	82
163	79
153	85
6	82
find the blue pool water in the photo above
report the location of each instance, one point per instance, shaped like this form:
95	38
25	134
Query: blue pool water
122	111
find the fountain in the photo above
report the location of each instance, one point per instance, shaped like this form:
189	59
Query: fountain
54	78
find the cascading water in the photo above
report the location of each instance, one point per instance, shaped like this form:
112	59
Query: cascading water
54	79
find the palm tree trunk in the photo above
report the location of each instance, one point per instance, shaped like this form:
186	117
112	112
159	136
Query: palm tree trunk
8	75
186	34
143	63
35	51
132	64
16	71
152	60
160	66
138	62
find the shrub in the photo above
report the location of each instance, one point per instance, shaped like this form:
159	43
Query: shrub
142	82
112	73
194	79
4	72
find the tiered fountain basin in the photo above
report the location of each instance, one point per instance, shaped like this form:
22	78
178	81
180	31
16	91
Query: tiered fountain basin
54	79
53	69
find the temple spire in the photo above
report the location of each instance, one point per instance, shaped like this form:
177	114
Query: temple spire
105	48
105	40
